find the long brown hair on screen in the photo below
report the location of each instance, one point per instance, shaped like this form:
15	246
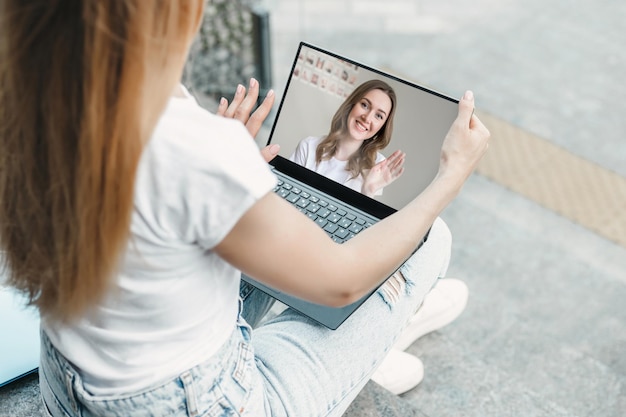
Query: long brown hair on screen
365	158
82	84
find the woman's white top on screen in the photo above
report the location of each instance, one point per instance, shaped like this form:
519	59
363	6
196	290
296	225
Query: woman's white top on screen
331	168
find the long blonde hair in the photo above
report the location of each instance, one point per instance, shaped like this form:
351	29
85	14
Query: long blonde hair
365	158
81	88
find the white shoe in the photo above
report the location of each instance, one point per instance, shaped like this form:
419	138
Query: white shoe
399	372
442	305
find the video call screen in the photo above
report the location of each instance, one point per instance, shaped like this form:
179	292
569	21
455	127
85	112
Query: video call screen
319	84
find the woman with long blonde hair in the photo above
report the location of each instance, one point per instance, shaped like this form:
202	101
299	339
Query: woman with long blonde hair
127	213
350	153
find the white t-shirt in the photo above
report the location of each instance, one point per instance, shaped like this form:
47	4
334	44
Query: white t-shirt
330	168
174	302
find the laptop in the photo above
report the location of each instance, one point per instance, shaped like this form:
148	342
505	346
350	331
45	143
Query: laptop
19	331
319	83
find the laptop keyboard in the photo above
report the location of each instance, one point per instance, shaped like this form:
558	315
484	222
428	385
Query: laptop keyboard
339	221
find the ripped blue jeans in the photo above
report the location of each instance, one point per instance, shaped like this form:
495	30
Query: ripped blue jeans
287	366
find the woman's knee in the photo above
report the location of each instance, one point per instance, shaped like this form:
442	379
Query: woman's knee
435	259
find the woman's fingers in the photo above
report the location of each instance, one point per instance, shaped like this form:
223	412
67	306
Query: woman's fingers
244	108
242	105
270	151
240	93
222	107
257	118
466	141
396	160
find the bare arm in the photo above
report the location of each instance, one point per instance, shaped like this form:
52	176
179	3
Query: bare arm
267	242
273	242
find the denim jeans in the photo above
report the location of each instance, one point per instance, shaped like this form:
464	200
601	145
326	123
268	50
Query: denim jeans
287	366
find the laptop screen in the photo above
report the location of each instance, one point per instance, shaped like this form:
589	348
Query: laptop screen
333	107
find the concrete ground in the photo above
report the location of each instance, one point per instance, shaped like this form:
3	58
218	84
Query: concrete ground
544	332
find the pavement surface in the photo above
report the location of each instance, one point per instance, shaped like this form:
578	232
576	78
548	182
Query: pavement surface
544	331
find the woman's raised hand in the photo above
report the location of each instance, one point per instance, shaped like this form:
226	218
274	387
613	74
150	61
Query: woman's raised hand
465	144
241	109
383	173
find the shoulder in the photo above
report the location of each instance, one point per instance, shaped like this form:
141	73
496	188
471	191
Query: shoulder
188	128
308	145
199	171
311	141
189	141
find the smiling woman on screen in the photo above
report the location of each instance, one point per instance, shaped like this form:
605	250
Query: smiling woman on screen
350	152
